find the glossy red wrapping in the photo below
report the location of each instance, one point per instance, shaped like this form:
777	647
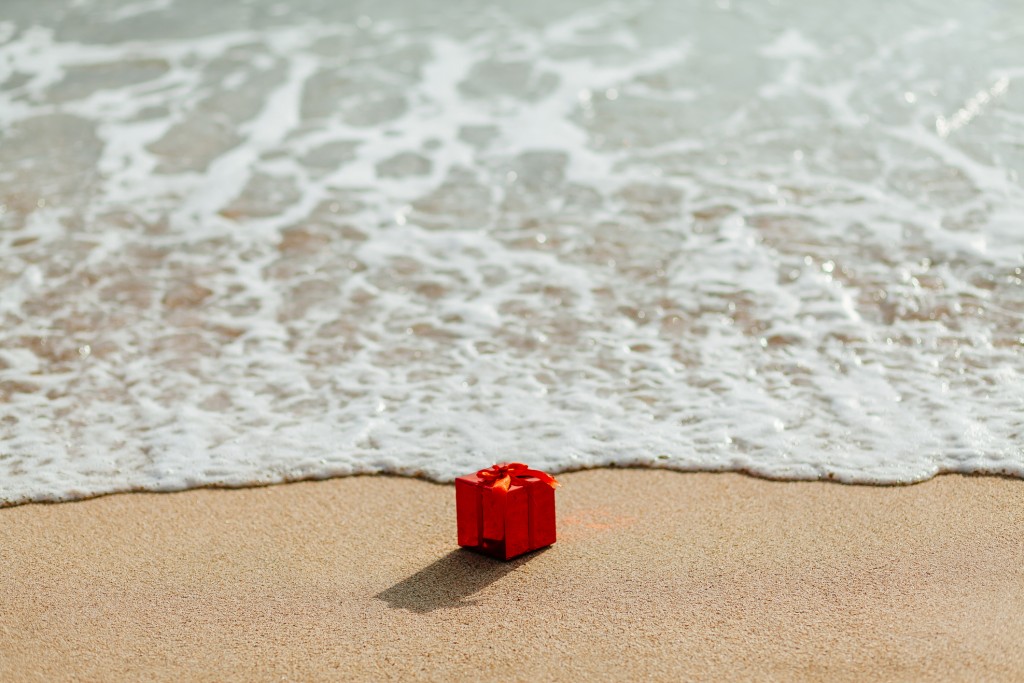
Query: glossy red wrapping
501	524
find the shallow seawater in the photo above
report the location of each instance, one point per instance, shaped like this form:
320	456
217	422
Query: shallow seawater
253	242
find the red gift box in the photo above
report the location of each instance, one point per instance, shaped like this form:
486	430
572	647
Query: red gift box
506	510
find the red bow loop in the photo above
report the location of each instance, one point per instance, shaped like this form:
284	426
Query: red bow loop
501	476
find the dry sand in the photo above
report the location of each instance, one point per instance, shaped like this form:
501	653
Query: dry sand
656	574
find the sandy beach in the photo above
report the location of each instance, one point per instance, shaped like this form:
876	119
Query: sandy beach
248	243
657	575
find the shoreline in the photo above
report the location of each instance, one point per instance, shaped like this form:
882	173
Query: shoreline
657	574
5	505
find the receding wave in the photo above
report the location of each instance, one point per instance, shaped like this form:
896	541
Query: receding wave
285	240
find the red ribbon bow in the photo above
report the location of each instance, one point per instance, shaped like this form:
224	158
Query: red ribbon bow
500	476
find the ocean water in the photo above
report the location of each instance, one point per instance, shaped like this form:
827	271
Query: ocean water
254	242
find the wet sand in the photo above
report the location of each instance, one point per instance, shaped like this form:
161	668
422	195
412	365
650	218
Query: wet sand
656	575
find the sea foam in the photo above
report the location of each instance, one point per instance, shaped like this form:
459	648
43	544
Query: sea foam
278	241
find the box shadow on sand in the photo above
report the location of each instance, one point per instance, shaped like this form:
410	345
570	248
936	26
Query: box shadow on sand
448	582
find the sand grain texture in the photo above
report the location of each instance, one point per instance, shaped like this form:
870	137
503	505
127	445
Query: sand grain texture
656	574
